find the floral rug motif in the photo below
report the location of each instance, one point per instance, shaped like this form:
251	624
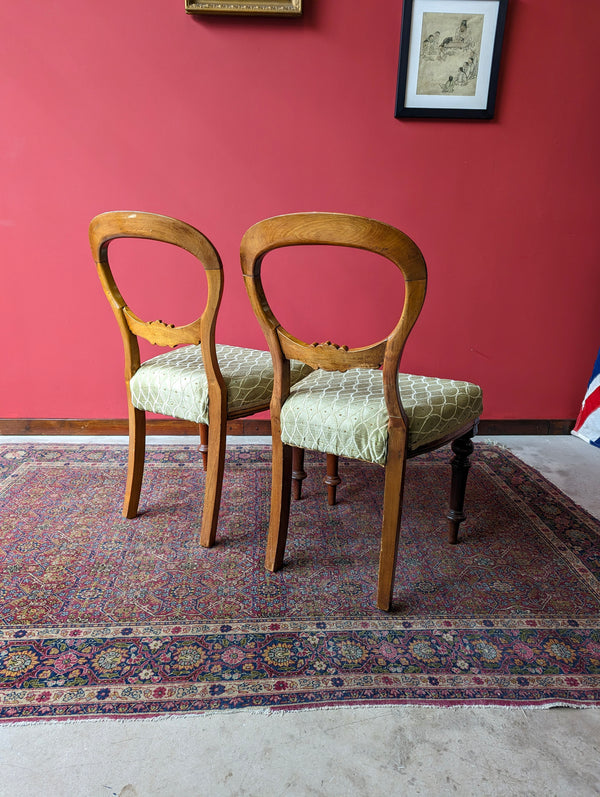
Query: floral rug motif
103	616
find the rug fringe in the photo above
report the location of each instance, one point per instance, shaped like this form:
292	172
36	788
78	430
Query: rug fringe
496	443
269	712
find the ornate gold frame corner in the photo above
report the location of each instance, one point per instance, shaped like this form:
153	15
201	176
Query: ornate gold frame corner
279	8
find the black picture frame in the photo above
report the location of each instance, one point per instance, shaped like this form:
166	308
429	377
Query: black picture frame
437	35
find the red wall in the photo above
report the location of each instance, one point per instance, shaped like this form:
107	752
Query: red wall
221	122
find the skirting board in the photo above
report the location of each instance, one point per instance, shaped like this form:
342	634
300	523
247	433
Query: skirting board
246	426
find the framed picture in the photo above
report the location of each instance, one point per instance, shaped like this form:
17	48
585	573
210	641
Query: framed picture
278	8
450	58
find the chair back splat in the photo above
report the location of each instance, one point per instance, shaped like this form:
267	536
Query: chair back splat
355	403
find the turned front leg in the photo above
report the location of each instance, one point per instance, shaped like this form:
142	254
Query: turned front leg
204	444
462	448
298	472
332	479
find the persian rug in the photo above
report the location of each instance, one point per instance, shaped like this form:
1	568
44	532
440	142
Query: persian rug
103	616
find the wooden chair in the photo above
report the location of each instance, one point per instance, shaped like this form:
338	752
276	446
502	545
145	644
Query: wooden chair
202	381
355	403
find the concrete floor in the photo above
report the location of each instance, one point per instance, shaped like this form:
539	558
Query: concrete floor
354	751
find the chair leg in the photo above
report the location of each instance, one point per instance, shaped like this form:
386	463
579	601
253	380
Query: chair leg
204	444
298	472
332	479
281	489
390	532
462	448
217	434
135	465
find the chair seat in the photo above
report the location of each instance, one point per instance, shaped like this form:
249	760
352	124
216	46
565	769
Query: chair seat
175	383
344	413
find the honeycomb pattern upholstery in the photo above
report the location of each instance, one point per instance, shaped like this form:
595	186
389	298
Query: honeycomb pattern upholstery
344	413
175	383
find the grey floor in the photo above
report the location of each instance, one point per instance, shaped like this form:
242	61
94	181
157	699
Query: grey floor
360	751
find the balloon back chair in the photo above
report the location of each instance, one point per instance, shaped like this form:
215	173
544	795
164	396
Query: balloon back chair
202	381
355	403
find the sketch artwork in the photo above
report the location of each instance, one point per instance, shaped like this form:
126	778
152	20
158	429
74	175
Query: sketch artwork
449	56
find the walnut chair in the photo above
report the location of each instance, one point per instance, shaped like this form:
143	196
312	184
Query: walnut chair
355	403
202	381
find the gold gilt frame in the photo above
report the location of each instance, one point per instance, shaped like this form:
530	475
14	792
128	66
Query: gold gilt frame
280	8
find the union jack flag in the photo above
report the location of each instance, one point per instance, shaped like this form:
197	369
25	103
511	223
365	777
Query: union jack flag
587	425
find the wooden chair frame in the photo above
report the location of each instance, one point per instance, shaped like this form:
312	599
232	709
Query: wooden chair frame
302	229
133	224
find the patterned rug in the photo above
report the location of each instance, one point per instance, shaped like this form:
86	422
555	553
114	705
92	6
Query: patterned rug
102	616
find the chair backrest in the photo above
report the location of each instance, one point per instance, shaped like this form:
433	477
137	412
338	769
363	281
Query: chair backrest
112	225
335	229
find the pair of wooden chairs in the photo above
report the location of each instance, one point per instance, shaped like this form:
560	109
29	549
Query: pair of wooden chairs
344	402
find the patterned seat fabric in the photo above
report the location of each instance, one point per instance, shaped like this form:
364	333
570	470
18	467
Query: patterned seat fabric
345	413
175	383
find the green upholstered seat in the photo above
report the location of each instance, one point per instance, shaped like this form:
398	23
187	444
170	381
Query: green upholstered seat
175	383
344	413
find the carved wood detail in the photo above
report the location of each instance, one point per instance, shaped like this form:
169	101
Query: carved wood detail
159	333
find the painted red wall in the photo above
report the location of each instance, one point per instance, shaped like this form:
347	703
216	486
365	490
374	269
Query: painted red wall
221	122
